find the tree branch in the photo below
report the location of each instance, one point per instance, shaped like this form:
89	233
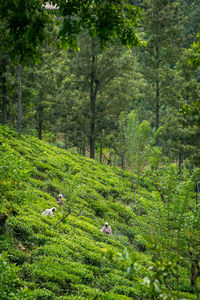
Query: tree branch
64	216
161	194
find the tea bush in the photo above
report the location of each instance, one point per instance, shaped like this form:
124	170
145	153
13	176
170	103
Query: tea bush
9	279
66	256
17	256
84	291
21	231
36	294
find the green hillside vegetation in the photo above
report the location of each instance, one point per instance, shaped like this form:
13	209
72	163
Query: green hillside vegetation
155	234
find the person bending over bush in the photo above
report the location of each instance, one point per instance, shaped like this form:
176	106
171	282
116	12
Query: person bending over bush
106	229
60	199
49	211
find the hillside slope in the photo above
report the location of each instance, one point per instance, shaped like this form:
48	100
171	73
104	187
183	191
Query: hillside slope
66	256
72	258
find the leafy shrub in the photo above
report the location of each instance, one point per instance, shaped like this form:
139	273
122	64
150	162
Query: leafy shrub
181	295
99	209
55	250
68	261
92	258
37	183
13	166
122	239
51	286
16	256
110	280
126	230
21	230
39	239
140	244
6	243
113	296
82	290
36	294
127	291
9	279
57	270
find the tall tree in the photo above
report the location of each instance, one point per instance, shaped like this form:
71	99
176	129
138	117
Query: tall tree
191	11
105	20
163	25
135	142
4	59
109	78
3	63
25	22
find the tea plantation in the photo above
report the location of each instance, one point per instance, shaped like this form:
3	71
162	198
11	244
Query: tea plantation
66	256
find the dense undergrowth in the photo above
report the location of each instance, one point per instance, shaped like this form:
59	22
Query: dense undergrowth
75	260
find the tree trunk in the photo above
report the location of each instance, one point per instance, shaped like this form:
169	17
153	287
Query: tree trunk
180	160
65	140
19	78
4	94
40	123
81	147
101	147
40	129
3	225
92	124
40	116
195	272
197	190
123	152
157	93
123	161
157	105
93	93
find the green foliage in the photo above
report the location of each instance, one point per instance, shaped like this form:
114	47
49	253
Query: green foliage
17	256
9	279
138	136
156	281
123	20
162	222
75	259
39	294
70	255
21	231
13	171
135	145
195	54
25	30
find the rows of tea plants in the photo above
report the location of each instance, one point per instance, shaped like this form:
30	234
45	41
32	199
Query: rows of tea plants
66	256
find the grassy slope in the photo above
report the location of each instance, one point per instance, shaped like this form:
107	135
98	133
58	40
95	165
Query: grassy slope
74	260
69	259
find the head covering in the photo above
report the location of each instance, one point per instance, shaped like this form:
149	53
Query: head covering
106	223
53	208
60	195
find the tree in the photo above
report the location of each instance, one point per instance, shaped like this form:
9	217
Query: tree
163	25
195	53
102	79
42	83
105	20
179	135
3	64
25	22
191	11
135	143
